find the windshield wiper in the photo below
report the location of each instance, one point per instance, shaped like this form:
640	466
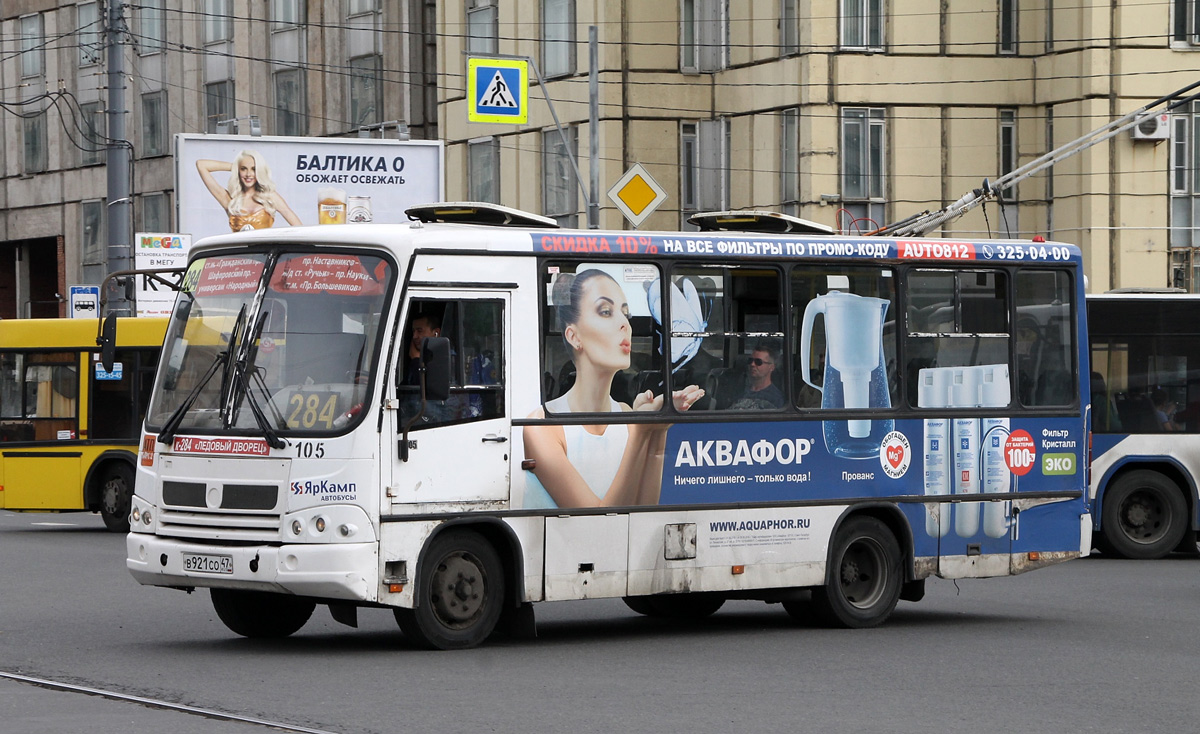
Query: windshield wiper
243	371
172	424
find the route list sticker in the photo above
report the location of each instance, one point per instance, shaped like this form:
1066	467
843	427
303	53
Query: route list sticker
1019	452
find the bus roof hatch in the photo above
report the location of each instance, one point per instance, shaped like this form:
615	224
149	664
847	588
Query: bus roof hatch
756	221
477	212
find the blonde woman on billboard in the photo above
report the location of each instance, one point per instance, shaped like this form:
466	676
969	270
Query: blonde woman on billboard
249	197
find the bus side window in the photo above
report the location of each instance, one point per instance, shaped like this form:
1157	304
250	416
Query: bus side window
832	304
956	319
1045	338
605	316
726	336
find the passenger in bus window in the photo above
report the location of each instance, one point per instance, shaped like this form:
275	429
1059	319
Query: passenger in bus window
608	465
1164	411
761	391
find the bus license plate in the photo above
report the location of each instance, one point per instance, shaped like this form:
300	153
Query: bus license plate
202	563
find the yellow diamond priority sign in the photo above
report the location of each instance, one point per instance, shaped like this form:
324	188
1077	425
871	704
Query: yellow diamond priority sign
637	195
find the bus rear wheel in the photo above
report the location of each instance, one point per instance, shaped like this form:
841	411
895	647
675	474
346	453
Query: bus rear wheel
261	614
1144	515
696	605
116	496
864	579
459	593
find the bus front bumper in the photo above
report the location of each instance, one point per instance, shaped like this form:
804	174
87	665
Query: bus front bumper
329	571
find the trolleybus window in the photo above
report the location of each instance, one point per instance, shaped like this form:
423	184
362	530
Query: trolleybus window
1045	368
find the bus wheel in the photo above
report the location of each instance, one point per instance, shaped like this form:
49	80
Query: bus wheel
261	613
116	495
676	606
459	593
864	576
1144	515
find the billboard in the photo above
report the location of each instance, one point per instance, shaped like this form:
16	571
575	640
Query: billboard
228	183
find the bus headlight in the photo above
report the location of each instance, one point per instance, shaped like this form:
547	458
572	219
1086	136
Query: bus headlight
297	527
146	517
320	524
136	515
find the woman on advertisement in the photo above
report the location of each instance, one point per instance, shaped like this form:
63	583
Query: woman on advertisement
249	196
606	465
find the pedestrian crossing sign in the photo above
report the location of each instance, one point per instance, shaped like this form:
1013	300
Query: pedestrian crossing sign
498	90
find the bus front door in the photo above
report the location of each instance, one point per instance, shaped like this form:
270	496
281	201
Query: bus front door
458	449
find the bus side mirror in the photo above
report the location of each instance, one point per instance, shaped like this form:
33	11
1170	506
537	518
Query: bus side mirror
108	342
435	355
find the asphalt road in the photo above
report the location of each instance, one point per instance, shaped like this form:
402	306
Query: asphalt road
1096	645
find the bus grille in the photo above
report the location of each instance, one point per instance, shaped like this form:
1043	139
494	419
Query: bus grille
240	512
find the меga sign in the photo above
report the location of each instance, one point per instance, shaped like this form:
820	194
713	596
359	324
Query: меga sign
158	251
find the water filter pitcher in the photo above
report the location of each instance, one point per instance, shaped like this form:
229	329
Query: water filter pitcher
855	374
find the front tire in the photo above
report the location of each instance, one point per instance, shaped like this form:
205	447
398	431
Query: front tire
1144	515
116	496
261	614
864	576
459	593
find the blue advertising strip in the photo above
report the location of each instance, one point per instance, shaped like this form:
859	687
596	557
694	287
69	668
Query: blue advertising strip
757	246
718	463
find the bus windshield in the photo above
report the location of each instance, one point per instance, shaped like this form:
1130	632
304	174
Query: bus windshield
272	342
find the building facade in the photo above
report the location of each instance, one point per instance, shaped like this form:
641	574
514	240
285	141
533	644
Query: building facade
852	113
280	67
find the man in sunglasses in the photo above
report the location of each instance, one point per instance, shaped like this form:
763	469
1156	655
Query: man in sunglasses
761	392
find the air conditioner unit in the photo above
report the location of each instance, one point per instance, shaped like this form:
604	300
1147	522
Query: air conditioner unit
1155	127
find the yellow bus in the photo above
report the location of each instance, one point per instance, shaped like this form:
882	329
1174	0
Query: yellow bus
68	428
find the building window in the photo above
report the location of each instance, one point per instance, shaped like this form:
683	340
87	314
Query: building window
91	124
152	27
483	170
87	19
91	249
156	213
483	33
560	197
290	117
703	35
1049	26
789	161
789	27
862	24
362	7
1185	178
287	13
703	167
863	168
1008	26
1186	22
33	54
218	103
218	25
366	91
34	138
558	37
1008	152
154	123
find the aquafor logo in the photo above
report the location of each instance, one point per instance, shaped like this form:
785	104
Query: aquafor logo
895	454
730	453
